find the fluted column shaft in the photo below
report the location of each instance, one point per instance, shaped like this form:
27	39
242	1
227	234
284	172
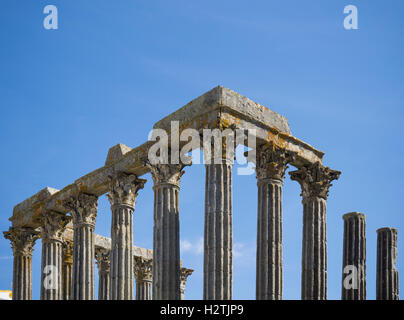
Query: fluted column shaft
143	290
84	211
53	224
269	276
314	265
22	241
67	270
218	232
354	257
104	266
271	164
122	196
387	285
143	275
121	253
315	181
166	248
166	237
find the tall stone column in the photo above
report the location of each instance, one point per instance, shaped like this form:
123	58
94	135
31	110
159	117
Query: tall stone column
22	241
354	257
270	169
387	286
67	270
143	270
122	196
315	181
218	231
104	263
185	273
53	225
166	239
84	211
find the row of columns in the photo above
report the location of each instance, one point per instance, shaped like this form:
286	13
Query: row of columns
314	179
59	288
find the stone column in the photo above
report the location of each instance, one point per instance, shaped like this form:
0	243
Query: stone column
103	262
315	181
270	169
84	211
185	273
218	233
122	196
354	257
387	286
53	225
67	269
22	241
166	239
143	270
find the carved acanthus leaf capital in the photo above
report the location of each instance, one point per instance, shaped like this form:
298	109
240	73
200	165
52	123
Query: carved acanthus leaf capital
124	189
315	180
272	162
53	224
68	252
103	258
166	173
185	273
83	208
22	240
143	269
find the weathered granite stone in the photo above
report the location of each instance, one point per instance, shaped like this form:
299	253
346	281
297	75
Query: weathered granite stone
143	269
217	108
104	266
53	225
354	256
315	181
22	241
122	196
84	211
218	231
67	269
185	273
387	285
270	169
166	235
116	153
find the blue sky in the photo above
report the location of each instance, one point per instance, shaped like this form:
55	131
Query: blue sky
113	68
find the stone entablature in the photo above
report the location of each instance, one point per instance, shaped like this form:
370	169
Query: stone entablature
218	108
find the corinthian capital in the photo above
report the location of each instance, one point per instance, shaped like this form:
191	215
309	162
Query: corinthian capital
83	208
68	252
22	240
143	269
166	173
315	180
103	259
124	189
185	273
272	162
53	225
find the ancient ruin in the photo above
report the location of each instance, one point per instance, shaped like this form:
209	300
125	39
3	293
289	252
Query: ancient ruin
65	219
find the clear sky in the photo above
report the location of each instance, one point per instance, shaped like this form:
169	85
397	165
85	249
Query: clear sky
113	68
